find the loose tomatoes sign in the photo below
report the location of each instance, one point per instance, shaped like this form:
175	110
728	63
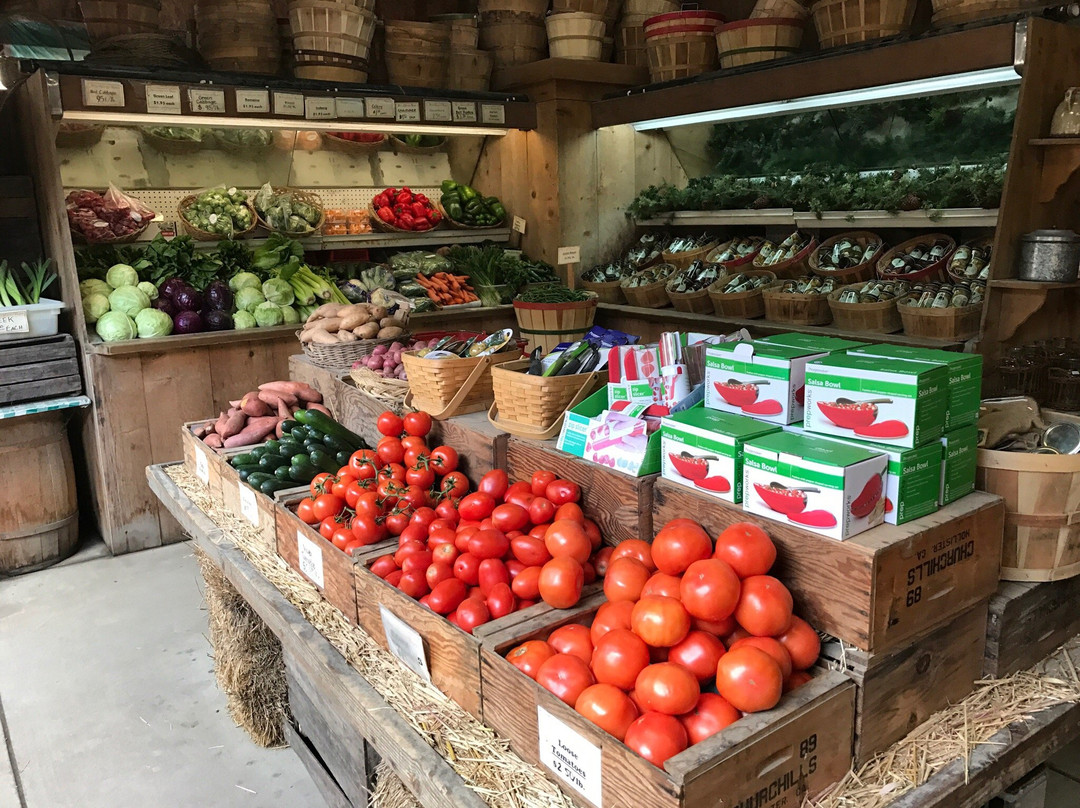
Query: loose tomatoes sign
405	643
569	754
309	558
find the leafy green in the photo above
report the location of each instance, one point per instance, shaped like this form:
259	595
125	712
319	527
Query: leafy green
25	292
179	259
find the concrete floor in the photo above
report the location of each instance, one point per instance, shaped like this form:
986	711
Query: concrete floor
108	698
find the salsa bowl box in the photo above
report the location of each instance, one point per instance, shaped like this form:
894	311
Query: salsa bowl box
767	759
760	379
207	464
960	462
898	581
818	342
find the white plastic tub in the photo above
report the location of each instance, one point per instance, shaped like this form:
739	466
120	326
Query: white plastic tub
38	320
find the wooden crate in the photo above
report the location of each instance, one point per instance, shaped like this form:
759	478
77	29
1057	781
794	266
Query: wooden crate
1027	621
38	368
620	504
899	689
352	408
481	446
766	760
208	465
882	588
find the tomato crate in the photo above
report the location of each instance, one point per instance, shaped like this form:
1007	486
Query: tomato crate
1028	621
766	760
897	690
207	464
882	588
620	504
481	446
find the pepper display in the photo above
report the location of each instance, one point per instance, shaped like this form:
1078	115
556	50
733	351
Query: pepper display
465	205
403	209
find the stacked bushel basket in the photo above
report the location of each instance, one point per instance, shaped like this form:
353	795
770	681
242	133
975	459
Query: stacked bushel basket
239	35
441	53
582	29
513	31
332	38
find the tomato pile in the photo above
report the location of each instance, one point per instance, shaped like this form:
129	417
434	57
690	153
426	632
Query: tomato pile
692	636
406	210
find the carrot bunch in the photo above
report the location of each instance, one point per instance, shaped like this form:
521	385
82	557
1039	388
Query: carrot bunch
446	289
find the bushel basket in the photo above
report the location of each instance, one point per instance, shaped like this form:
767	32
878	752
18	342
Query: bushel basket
452	386
344	354
844	22
545	325
533	406
388	392
879	317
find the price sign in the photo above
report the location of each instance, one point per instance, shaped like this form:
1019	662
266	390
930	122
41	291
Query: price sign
309	554
519	225
253	101
569	754
493	113
569	255
162	99
248	506
319	109
405	643
206	100
14	322
438	111
380	107
202	467
407	112
289	104
102	93
464	111
350	107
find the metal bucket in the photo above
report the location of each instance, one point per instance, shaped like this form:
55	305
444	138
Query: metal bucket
1051	256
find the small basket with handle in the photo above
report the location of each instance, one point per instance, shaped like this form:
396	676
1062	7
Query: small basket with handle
533	406
452	386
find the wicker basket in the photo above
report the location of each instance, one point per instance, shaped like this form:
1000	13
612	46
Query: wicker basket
402	147
955	12
512	34
128	239
78	136
606	292
545	325
790	9
843	22
681	260
454	224
470	70
794	267
985	241
386	227
693	302
734	264
796	309
534	406
305	196
650	296
763	39
747	305
937	271
951	324
204	235
332	142
168	145
879	318
453	386
863	272
681	44
388	392
575	35
344	354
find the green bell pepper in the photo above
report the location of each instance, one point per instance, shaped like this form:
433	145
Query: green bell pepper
467	193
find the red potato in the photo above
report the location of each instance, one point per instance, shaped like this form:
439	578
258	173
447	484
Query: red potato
255	431
252	405
300	390
214	441
234	424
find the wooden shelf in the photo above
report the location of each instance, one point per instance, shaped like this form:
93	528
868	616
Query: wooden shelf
1054	141
1031	286
830	219
373	241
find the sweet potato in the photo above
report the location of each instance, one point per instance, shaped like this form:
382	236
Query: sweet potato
392	331
201	430
325	310
367	331
304	392
235	403
272	397
330	324
284	411
256	430
315	406
355	320
378	312
233	424
391	322
214	441
252	405
321	337
219	425
346	336
308	334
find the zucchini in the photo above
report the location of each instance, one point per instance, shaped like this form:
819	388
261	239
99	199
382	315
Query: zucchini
258	451
285	474
272	446
257	478
269	462
247	471
288	426
299	434
342	457
335	445
323	461
290	448
300	474
247	459
274	484
328	426
301	464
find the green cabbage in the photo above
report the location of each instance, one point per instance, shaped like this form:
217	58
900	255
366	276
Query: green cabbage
268	314
121	275
278	292
149	288
153	323
115	325
129	299
243	319
94	305
291	315
94	287
248	298
242	280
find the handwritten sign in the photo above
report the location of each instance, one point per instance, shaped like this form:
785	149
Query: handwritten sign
350	107
14	322
438	111
309	554
253	101
519	225
407	112
569	255
319	109
574	758
202	467
248	506
464	111
102	93
211	101
289	104
380	107
405	643
163	99
493	113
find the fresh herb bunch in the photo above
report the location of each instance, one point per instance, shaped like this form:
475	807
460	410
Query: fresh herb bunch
553	293
26	292
178	258
232	257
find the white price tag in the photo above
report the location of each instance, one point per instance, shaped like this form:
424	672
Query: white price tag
380	107
405	643
206	100
102	93
14	322
289	104
407	112
350	107
202	466
464	111
569	255
253	101
519	225
493	113
574	758
309	554
438	111
319	109
248	506
163	99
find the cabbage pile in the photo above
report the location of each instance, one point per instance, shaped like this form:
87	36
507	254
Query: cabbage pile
119	307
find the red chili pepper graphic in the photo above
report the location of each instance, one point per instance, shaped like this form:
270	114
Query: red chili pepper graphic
814	518
800	395
688	466
769	406
868	498
735	393
888	505
848	416
889	430
782	500
719	484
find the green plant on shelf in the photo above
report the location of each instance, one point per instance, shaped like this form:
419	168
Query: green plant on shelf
24	291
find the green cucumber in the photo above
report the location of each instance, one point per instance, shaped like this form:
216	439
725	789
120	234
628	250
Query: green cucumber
288	426
272	461
342	457
297	474
272	446
247	471
336	445
247	459
328	426
257	478
285	474
324	462
290	448
274	484
258	451
301	464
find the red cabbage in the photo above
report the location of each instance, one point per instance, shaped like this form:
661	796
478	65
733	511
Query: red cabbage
217	320
166	305
219	296
187	322
171	287
189	300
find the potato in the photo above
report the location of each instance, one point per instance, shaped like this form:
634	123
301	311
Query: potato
392	331
327	324
354	319
378	312
325	310
346	336
320	337
307	334
391	322
367	331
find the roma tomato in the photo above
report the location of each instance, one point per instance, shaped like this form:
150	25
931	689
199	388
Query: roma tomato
494	484
625	579
305	511
417	423
539	531
572	511
415	533
447	509
566	539
607	707
509	517
747	548
656	737
667	688
721	628
661	622
698	652
562	491
327	505
423	516
467	569
501	601
529	551
446	553
590	572
519	494
438	572
447	595
660	583
529	656
749	679
477	506
560	582
416	562
797	679
710	589
394	578
489	544
609	617
710	715
455	484
802	643
771	647
635	548
572	638
471	613
406	549
540	481
526	584
601	559
383	565
565	676
390	424
764	606
619	656
513	567
413	584
677	546
592	530
541	510
492	571
444	459
390	450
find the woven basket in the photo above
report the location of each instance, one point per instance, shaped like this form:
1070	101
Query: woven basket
843	22
388	392
747	305
456	225
386	227
78	136
651	296
630	41
305	196
203	235
344	354
402	147
986	241
681	44
790	9
464	30
681	260
794	267
881	317
607	292
733	266
108	18
128	239
470	70
545	325
693	302
534	406
167	145
951	324
863	272
954	12
332	142
513	37
763	39
575	35
447	387
938	271
796	309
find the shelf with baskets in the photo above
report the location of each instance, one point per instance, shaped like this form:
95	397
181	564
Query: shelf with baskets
392	241
830	219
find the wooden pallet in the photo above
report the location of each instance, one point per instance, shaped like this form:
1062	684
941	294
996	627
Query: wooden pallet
38	368
1027	621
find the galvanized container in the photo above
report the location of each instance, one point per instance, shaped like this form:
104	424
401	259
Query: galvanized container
1050	256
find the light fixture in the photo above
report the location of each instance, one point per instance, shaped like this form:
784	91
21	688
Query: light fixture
936	85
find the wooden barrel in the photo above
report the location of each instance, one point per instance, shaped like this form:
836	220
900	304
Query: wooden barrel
39	511
1042	512
417	53
239	35
513	37
108	18
464	30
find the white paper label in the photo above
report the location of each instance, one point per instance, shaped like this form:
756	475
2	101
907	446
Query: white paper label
519	225
309	554
163	99
289	104
569	255
102	93
206	100
438	111
464	111
405	643
493	113
380	107
319	109
407	112
253	101
350	107
574	758
248	506
14	322
202	467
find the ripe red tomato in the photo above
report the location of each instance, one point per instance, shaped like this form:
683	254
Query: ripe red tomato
341	483
455	484
416	456
529	656
797	679
392	471
471	613
406	549
661	622
750	679
560	582
494	483
397	520
320	484
609	617
383	565
710	589
327	505
572	511
416	562
368	504
618	657
566	539
413	442
678	545
521	497
342	538
656	737
635	548
601	559
590	572
529	551
607	707
660	583
423	476
478	505
445	553
364	464
447	595
417	423
526	584
513	566
771	647
501	601
710	715
509	517
541	510
367	530
625	579
721	628
572	638
540	481
539	531
394	578
747	548
802	643
492	572
327	527
305	511
390	424
667	688
414	584
390	450
764	606
698	652
489	544
438	572
447	509
562	491
423	516
566	676
592	530
444	459
467	569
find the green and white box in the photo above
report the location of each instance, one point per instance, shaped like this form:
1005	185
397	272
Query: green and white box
703	449
758	379
959	461
965	378
817	342
898	403
821	485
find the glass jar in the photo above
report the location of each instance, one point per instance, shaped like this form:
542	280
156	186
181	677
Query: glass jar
1018	372
1063	389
